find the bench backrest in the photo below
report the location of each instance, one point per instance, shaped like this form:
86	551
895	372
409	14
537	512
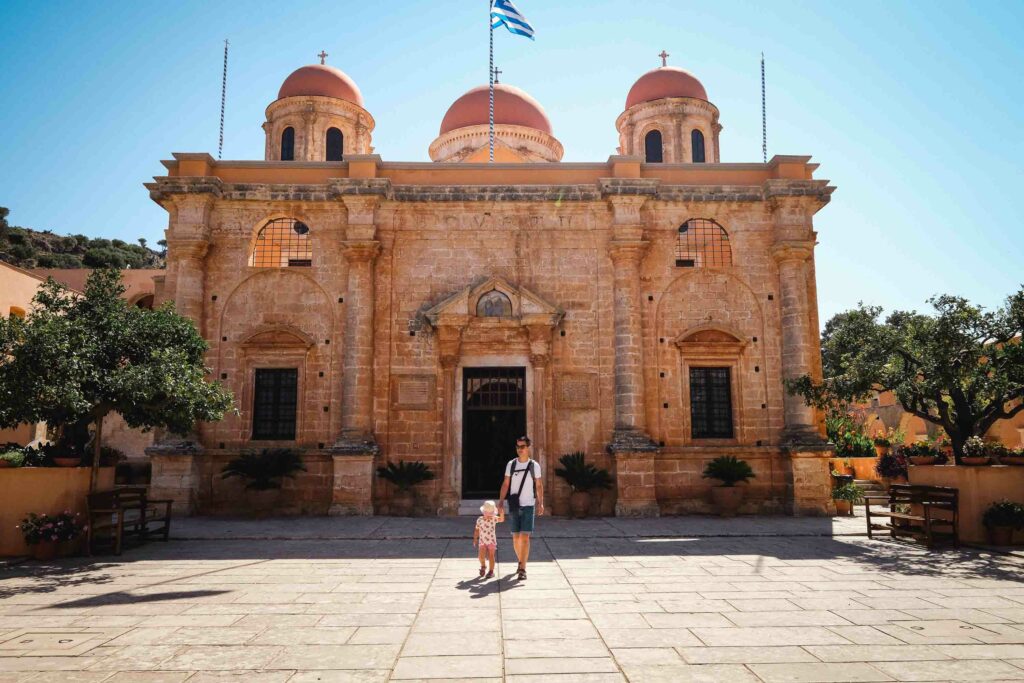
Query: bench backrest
919	493
127	496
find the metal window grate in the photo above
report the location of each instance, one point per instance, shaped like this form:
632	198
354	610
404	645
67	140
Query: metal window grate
710	403
282	243
275	399
702	243
494	388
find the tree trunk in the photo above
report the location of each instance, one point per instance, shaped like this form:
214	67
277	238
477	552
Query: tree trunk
94	478
957	440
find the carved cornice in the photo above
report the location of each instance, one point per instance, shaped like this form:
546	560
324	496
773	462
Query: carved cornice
629	186
166	187
490	193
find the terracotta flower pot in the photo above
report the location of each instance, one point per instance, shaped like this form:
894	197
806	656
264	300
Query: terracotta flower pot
67	462
844	507
727	499
579	503
974	460
922	459
5	463
402	503
43	551
1000	535
1017	460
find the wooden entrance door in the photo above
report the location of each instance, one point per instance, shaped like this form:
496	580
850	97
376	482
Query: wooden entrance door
493	417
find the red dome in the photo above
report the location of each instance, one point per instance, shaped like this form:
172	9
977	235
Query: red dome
512	106
665	81
322	80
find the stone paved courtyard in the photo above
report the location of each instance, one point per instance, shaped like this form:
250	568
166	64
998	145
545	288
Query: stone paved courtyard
606	600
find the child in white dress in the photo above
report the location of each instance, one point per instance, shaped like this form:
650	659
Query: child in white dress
485	536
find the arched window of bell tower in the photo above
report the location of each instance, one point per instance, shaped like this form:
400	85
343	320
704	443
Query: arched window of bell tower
335	142
697	142
288	144
652	147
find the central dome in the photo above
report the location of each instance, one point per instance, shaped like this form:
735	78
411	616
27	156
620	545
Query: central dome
323	81
665	81
512	106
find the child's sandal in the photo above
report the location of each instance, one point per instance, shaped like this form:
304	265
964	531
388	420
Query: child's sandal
483	570
490	575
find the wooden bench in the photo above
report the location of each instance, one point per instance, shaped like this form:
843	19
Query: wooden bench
126	512
928	513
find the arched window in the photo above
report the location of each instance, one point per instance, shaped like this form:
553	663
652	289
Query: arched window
334	144
281	243
288	144
697	143
702	243
494	304
652	147
145	302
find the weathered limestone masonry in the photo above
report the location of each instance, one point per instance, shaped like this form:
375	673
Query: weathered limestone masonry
365	311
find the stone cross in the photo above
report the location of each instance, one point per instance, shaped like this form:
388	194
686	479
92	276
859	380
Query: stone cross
497	72
323	57
664	58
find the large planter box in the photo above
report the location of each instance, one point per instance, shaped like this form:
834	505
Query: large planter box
41	489
979	487
863	468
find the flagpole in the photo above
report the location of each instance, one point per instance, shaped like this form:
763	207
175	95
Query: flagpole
490	73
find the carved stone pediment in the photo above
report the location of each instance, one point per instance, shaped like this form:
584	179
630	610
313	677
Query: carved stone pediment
484	302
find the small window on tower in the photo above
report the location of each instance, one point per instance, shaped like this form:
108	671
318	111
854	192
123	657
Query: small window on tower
288	144
335	141
697	142
652	147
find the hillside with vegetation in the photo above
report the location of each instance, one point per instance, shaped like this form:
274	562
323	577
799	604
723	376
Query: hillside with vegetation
29	248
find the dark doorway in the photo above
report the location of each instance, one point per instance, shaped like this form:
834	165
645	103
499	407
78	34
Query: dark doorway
493	416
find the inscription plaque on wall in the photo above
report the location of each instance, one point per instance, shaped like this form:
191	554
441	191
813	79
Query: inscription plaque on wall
577	390
413	392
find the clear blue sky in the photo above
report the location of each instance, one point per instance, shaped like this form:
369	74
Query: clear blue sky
914	110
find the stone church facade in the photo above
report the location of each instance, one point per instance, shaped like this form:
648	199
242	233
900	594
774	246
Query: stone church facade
643	310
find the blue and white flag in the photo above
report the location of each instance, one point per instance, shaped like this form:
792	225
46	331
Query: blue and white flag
504	13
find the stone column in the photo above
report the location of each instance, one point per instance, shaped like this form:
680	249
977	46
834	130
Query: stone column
450	342
797	347
631	446
186	257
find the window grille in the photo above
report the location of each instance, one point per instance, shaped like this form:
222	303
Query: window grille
335	143
710	403
275	398
288	144
702	243
494	388
697	142
283	242
653	150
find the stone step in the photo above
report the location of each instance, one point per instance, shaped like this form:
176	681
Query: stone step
469	507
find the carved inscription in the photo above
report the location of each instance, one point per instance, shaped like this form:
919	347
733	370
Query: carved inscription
412	392
577	390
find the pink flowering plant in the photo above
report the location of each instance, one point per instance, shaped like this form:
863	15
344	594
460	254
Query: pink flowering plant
64	526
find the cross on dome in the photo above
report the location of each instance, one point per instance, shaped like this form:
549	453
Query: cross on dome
323	57
497	72
664	58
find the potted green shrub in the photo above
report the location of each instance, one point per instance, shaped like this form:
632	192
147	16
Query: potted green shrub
975	452
263	472
845	496
11	457
892	467
1001	519
404	476
882	445
920	453
582	477
729	470
1014	457
48	536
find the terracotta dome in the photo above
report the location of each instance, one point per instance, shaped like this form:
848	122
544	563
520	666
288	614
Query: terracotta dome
512	106
322	80
665	81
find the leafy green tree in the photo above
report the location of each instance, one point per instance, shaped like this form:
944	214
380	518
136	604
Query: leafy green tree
961	368
75	359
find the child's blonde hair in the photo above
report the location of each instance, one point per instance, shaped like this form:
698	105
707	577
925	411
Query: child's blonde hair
488	506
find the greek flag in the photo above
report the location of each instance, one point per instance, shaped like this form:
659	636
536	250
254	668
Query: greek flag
503	12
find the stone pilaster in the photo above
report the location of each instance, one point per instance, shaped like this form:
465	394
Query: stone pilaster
175	474
450	341
352	492
636	495
188	241
812	482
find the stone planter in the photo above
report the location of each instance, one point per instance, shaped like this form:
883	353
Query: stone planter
979	487
67	462
262	502
5	464
402	503
579	503
727	499
844	507
1000	535
44	551
974	460
922	459
1015	460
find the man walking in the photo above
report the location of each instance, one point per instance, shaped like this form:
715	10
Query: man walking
525	492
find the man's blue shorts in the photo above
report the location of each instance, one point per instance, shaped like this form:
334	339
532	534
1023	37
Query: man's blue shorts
521	520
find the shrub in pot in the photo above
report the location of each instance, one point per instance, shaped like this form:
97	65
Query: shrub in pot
582	477
892	466
845	496
921	453
49	536
263	472
1001	519
729	470
1014	457
975	452
882	445
404	475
